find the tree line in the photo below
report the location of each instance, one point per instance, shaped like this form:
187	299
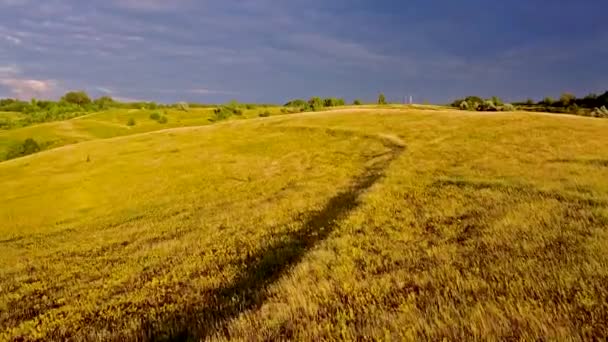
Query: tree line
591	105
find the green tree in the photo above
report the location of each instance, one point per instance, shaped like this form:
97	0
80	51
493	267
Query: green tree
357	102
497	101
566	99
77	97
315	103
104	102
548	101
381	99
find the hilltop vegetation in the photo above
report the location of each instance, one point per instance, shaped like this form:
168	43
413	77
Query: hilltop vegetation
591	105
75	118
375	224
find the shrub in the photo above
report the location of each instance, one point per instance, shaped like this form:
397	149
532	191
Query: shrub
29	146
487	106
155	116
162	120
508	108
131	122
497	101
264	114
357	102
104	102
600	112
183	106
315	103
464	105
296	103
381	99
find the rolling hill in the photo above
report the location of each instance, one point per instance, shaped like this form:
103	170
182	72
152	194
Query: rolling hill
352	224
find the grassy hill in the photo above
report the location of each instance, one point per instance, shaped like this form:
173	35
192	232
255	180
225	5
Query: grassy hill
370	223
108	124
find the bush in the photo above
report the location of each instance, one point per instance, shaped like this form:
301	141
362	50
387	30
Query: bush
357	102
315	103
600	112
104	102
131	122
497	101
464	105
183	106
296	103
162	120
487	106
381	99
29	146
155	116
264	114
508	108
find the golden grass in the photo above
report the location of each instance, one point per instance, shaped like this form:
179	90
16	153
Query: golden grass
374	224
111	123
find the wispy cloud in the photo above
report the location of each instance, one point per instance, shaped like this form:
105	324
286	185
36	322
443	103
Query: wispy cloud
27	89
12	39
204	91
152	5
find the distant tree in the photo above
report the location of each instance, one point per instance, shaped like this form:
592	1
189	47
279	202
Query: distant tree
357	102
104	102
464	105
296	103
488	106
529	102
566	99
381	99
497	101
77	97
315	103
507	107
548	101
330	102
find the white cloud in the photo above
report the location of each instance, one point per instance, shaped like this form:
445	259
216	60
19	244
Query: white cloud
104	90
152	5
204	91
27	89
13	39
9	70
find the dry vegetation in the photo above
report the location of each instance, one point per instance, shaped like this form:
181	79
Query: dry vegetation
370	224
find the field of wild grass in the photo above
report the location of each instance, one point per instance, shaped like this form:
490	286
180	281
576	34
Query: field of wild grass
111	123
400	224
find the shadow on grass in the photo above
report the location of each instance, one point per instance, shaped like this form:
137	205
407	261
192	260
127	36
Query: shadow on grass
248	292
590	162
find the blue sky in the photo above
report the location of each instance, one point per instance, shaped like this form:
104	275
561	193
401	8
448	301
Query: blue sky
275	50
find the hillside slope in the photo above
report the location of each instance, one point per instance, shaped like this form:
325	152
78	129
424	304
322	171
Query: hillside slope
345	225
111	123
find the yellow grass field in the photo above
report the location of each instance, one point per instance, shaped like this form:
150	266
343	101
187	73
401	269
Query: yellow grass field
368	224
